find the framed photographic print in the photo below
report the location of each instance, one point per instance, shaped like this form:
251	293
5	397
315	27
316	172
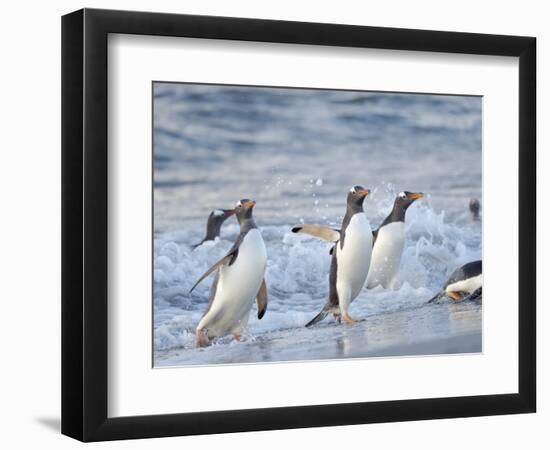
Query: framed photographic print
273	224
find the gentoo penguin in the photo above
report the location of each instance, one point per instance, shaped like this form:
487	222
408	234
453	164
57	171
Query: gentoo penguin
214	224
474	209
239	280
465	283
389	240
351	256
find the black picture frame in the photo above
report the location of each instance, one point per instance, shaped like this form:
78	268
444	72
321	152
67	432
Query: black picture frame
84	224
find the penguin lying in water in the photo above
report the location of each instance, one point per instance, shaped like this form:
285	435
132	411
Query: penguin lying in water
389	241
351	256
464	284
214	223
238	281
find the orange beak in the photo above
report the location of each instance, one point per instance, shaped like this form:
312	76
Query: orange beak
364	193
416	195
250	204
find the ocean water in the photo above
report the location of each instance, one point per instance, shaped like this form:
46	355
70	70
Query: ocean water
297	152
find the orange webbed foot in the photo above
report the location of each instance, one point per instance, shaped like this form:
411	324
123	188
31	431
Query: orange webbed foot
201	338
348	319
455	296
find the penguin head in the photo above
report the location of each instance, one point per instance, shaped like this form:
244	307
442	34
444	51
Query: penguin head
474	208
356	196
243	209
405	199
218	216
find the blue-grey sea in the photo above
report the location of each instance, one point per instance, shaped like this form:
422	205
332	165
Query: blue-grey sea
297	152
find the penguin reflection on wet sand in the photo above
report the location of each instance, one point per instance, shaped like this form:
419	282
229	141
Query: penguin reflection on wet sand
389	241
464	284
214	223
238	281
351	256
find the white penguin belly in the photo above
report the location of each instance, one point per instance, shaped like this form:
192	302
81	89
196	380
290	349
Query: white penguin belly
386	255
237	288
469	285
353	260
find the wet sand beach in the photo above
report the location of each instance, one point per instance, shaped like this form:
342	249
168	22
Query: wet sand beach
428	330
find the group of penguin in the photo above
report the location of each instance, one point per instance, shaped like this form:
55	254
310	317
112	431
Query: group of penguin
360	257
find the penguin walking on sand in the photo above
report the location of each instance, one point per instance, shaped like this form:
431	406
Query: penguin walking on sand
238	281
465	283
351	256
389	241
214	223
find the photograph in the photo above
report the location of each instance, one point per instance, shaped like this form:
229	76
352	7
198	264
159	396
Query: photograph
263	225
301	224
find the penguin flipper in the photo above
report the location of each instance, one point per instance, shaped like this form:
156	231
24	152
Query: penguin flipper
436	297
261	300
474	296
227	259
324	312
319	231
194	246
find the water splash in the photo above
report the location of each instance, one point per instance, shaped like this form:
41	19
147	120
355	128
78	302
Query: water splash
297	271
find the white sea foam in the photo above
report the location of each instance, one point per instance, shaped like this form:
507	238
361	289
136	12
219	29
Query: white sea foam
297	273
